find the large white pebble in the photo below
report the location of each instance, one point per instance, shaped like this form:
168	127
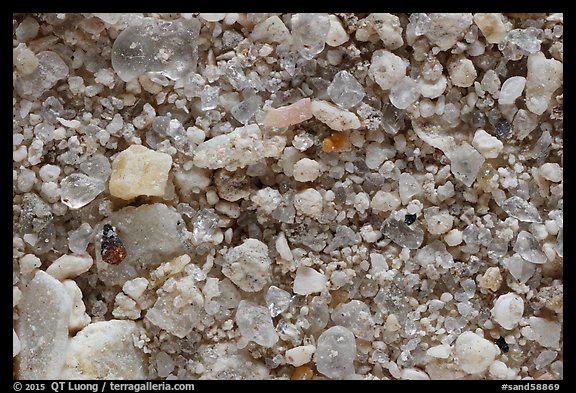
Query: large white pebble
336	352
308	281
69	266
508	310
474	353
43	328
139	171
105	350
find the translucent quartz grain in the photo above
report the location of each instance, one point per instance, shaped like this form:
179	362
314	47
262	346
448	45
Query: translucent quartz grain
521	209
255	324
167	47
77	190
50	70
309	31
529	248
336	352
277	300
345	91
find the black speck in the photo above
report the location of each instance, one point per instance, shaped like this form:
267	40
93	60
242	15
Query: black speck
109	237
409	219
502	344
502	128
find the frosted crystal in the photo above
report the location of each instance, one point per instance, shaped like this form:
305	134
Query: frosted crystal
544	332
528	39
435	253
98	167
277	300
508	310
209	97
465	163
408	187
204	224
545	358
524	122
410	236
244	110
50	70
528	247
255	324
335	353
519	268
151	234
43	328
421	22
344	236
164	364
345	91
235	75
404	93
310	31
77	190
392	119
521	209
36	218
170	128
354	315
167	47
